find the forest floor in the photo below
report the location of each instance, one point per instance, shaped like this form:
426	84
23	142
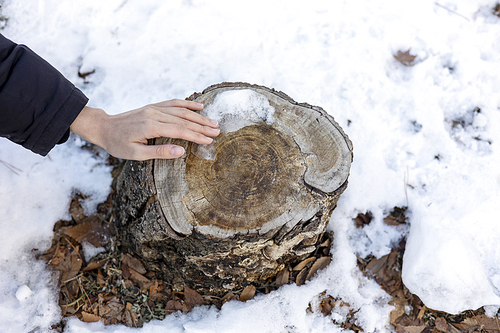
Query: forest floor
116	288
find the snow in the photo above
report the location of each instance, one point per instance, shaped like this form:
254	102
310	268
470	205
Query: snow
90	251
23	293
424	136
233	110
239	108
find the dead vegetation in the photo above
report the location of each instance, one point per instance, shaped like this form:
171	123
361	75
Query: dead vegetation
406	58
410	315
496	10
116	288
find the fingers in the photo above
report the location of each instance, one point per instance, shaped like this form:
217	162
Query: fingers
181	103
145	152
168	120
183	110
126	134
181	123
176	131
176	114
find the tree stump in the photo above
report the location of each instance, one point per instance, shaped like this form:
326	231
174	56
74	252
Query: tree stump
238	211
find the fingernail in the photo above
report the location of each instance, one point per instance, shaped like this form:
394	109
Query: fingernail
214	131
176	150
200	105
214	123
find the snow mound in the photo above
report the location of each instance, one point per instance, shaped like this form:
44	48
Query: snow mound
236	109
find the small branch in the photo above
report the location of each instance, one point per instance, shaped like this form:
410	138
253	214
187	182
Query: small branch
82	289
73	278
11	167
451	11
407	177
74	302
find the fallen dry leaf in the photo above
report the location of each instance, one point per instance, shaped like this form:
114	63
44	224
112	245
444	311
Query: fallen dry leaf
192	297
470	321
421	313
75	208
391	220
301	277
228	297
90	229
441	324
137	277
89	317
100	279
247	293
300	266
326	243
375	265
134	263
453	329
363	219
157	290
483	322
129	317
115	306
95	263
318	265
283	277
174	305
405	58
71	265
396	217
396	313
414	329
325	307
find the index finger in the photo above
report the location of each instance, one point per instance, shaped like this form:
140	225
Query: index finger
181	103
178	115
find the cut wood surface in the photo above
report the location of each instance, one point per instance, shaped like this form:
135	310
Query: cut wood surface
254	182
241	209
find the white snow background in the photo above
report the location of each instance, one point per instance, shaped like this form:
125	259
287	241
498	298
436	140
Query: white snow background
426	137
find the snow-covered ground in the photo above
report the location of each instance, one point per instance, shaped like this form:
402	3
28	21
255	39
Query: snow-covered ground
425	136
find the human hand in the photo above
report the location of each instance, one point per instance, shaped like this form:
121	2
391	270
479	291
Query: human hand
126	135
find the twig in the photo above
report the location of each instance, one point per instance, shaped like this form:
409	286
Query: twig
11	167
114	270
74	302
73	278
407	176
451	11
83	289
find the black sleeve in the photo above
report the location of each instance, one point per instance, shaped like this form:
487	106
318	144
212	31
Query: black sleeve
37	103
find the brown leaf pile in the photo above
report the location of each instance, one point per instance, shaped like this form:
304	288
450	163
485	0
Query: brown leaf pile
329	305
112	287
386	271
116	288
410	315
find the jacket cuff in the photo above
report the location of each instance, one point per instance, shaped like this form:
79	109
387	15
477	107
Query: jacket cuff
57	131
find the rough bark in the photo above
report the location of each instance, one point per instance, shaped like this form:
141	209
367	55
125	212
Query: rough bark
238	211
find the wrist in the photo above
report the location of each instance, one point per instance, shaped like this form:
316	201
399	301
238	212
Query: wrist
90	125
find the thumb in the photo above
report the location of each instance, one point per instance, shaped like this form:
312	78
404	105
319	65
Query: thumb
164	151
176	151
